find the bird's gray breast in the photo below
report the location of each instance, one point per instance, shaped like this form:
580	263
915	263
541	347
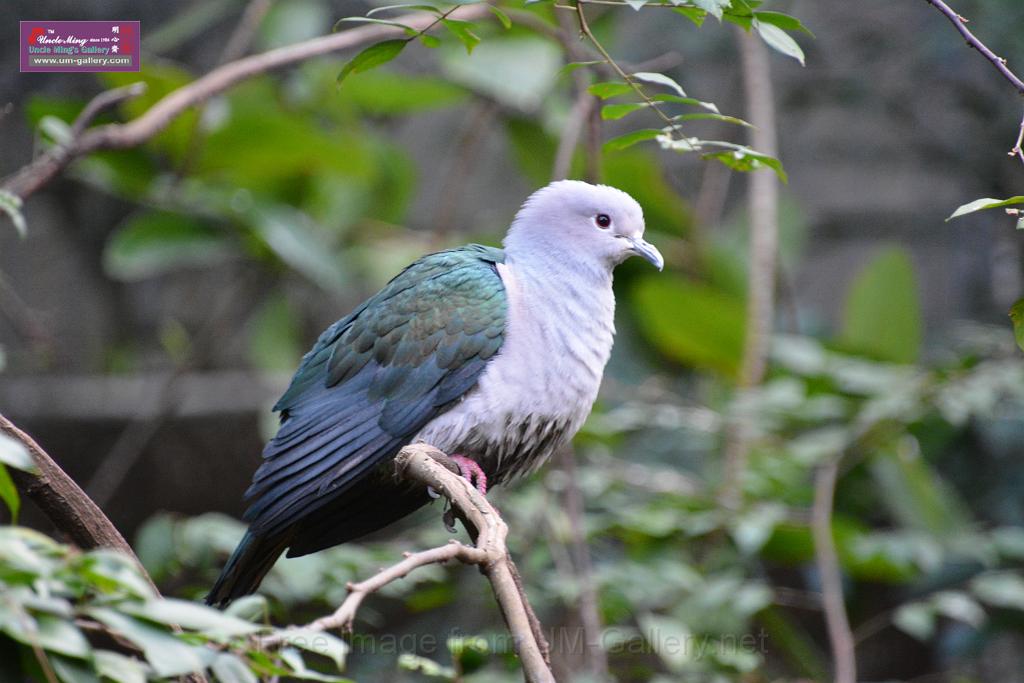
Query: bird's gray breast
536	393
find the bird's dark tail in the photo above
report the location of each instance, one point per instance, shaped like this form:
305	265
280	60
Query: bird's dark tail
246	568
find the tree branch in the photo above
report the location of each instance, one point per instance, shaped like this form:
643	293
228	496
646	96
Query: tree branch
839	634
64	502
960	24
123	135
428	466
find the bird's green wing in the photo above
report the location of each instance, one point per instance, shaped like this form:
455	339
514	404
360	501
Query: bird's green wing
376	378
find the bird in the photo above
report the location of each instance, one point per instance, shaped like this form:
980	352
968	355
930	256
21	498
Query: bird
494	356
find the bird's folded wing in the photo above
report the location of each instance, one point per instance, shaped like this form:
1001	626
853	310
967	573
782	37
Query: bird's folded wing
376	378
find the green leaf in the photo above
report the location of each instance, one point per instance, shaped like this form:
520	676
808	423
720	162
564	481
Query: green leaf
72	671
429	40
192	615
56	129
291	658
9	494
168	655
502	17
15	454
711	117
470	652
630	139
318	642
691	323
119	668
1017	317
675	99
697	16
659	79
713	7
250	607
883	316
915	494
386	8
427	667
294	238
737	157
463	30
230	669
985	203
373	56
409	30
916	619
612	112
573	66
1000	589
156	242
783	21
610	89
779	40
59	635
10	204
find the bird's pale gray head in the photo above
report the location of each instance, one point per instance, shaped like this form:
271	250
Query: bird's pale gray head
576	222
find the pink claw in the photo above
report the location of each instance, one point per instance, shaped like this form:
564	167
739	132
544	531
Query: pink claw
471	471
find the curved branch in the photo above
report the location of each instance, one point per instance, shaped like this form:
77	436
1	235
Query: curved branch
428	466
123	135
960	24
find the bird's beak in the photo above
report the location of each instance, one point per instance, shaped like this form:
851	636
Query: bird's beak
648	251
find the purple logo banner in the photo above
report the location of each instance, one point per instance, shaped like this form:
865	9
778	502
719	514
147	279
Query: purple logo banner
84	46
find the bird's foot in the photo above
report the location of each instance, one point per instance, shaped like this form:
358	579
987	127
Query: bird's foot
469	469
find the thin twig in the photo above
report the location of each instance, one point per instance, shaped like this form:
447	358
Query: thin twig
248	24
1017	151
428	466
343	617
40	171
585	113
632	82
960	24
838	624
105	100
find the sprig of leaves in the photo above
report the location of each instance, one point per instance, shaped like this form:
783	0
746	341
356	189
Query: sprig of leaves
50	594
385	51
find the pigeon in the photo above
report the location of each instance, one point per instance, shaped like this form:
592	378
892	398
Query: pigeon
494	356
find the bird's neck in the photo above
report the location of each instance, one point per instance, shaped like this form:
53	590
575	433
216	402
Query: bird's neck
566	309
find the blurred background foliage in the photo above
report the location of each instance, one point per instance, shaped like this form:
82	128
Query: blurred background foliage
163	294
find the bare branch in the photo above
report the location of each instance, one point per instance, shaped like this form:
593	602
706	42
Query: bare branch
124	135
428	466
960	24
839	634
105	100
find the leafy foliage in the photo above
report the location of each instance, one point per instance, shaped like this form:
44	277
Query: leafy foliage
82	616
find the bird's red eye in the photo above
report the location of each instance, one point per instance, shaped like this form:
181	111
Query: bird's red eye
603	220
